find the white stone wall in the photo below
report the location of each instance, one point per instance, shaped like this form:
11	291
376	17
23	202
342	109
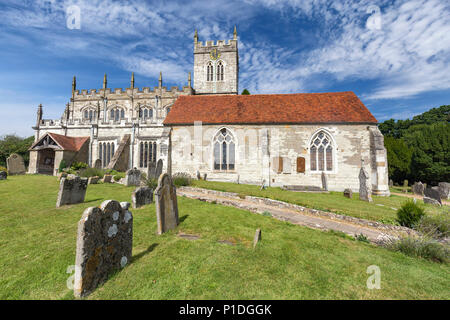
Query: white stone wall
351	144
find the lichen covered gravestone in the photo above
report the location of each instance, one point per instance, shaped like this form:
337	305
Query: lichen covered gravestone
418	188
104	244
3	175
324	181
15	164
444	190
151	170
71	191
432	193
166	204
257	237
133	177
141	196
365	192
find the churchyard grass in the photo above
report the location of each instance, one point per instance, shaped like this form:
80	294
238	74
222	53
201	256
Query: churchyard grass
382	209
38	243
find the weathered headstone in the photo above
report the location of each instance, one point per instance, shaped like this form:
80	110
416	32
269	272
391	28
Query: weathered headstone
365	192
263	185
71	191
141	196
324	181
107	178
418	188
98	164
431	201
159	168
166	204
391	183
204	176
104	244
199	177
133	177
257	237
93	180
3	175
405	186
348	193
444	190
15	164
151	170
432	193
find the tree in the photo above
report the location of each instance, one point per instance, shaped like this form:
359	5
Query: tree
13	144
245	92
430	160
399	158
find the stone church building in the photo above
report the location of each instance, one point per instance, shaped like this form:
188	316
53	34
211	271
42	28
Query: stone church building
208	128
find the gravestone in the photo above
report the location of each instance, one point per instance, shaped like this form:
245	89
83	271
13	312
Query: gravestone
257	237
431	201
444	190
199	177
263	185
141	196
151	170
391	183
405	186
418	188
166	204
104	244
204	176
365	192
93	180
107	178
98	164
432	193
3	175
71	191
324	181
348	193
159	168
15	164
133	177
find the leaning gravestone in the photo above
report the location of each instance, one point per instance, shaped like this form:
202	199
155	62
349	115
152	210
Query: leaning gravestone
3	175
98	164
431	201
141	196
71	191
166	204
365	192
432	193
15	164
133	177
444	190
104	244
418	188
257	237
348	193
324	181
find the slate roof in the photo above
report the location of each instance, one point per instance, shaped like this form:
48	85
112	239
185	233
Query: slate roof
301	108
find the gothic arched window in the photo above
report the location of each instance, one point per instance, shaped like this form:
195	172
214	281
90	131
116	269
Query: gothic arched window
209	71
220	71
106	152
321	152
147	153
89	115
146	113
117	114
224	150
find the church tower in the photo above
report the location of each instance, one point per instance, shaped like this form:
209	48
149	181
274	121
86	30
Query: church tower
216	66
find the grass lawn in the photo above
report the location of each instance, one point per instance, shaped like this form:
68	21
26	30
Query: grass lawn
37	244
381	209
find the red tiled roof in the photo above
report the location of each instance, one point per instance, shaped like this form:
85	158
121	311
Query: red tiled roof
65	142
333	107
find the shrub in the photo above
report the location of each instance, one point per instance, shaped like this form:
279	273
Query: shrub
92	172
79	165
3	169
362	238
410	214
267	214
422	247
118	176
181	179
62	165
437	226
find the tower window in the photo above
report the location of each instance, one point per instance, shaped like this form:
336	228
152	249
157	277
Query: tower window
220	71
209	72
117	114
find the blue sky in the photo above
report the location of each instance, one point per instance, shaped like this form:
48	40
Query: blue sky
395	55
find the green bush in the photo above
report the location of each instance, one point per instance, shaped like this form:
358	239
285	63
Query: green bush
118	176
92	172
151	183
362	238
410	214
3	169
181	179
437	226
62	165
79	165
422	247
